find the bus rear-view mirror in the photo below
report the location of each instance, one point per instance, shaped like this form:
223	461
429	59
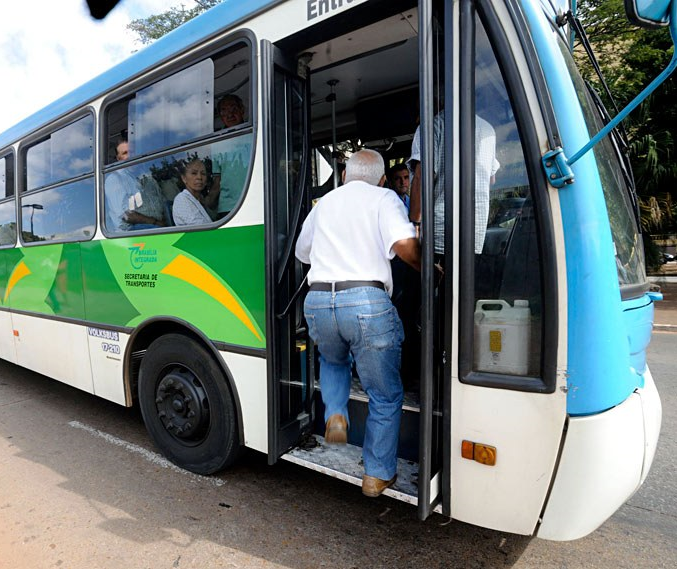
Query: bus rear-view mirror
648	13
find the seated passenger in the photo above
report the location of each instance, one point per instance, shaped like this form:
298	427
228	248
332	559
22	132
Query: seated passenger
229	168
132	203
188	208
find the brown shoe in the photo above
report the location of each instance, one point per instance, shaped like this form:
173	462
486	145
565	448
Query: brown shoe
337	430
374	487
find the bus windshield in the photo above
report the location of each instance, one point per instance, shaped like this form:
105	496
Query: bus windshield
627	240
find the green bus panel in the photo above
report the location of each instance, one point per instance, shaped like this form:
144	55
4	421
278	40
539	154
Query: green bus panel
214	280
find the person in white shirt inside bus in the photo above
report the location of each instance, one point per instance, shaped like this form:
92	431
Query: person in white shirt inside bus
133	203
188	208
348	239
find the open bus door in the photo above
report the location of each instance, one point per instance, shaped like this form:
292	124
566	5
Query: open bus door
286	143
363	39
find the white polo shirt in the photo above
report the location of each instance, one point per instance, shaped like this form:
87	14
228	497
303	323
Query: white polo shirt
349	235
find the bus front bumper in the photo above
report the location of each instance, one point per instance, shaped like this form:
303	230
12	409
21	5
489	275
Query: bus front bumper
605	459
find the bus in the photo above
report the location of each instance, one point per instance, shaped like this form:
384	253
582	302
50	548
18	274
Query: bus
529	405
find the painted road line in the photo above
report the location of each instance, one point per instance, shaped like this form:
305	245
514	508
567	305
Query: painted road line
150	456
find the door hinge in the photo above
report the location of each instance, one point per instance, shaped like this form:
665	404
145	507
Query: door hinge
557	168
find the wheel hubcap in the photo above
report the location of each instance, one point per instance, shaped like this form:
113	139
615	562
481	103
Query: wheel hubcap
182	405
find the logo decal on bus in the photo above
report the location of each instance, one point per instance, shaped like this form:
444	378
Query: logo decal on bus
111	335
139	256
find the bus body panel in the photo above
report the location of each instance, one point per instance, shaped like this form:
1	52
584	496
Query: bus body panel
638	315
601	466
106	353
186	276
599	376
54	348
249	376
7	347
653	415
525	429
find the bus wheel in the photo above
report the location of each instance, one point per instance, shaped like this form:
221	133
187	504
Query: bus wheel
187	405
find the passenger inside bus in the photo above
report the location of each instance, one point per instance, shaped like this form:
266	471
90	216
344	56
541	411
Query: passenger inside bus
398	180
133	203
229	169
188	208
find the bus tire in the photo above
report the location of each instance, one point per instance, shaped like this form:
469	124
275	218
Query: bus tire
187	405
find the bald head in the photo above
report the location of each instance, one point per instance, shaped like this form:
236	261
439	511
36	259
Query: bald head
365	166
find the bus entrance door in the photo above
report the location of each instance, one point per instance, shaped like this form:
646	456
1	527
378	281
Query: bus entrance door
286	140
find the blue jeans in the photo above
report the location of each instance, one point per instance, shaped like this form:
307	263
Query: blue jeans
362	322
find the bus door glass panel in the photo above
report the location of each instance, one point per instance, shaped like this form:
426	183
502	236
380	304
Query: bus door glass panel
290	123
508	305
7	210
174	110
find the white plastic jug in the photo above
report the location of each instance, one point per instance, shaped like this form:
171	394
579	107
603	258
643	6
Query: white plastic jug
502	336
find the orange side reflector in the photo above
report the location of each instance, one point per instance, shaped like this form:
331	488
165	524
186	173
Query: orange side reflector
467	450
16	333
484	454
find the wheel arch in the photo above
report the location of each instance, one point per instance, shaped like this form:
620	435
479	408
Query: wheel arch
153	328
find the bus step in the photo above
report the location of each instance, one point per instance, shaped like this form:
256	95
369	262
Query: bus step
345	463
410	403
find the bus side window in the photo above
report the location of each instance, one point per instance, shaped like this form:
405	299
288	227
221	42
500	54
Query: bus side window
207	100
7	211
508	302
58	199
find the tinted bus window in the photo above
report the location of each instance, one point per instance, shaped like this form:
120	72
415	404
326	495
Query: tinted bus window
184	106
66	153
210	100
59	203
6	177
63	213
174	110
7	211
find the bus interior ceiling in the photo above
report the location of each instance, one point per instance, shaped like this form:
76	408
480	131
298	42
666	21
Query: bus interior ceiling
374	72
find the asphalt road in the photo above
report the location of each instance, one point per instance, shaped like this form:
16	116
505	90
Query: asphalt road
82	488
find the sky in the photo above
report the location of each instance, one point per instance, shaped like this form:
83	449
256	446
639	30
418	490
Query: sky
50	47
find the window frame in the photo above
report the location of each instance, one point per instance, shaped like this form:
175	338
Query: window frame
20	189
180	62
546	381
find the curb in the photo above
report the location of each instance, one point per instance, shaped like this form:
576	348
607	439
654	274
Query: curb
663	279
665	328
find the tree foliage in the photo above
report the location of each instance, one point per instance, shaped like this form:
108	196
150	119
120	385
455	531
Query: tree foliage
154	27
630	59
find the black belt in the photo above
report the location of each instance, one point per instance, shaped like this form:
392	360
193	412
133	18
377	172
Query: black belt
344	285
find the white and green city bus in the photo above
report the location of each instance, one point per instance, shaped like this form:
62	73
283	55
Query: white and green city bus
529	405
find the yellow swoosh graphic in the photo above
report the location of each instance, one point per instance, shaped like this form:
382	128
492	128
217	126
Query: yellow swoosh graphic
19	272
189	271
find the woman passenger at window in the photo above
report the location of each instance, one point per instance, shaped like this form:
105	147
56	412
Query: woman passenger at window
188	208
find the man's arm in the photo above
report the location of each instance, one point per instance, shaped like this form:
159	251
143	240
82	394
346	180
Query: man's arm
409	250
132	216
